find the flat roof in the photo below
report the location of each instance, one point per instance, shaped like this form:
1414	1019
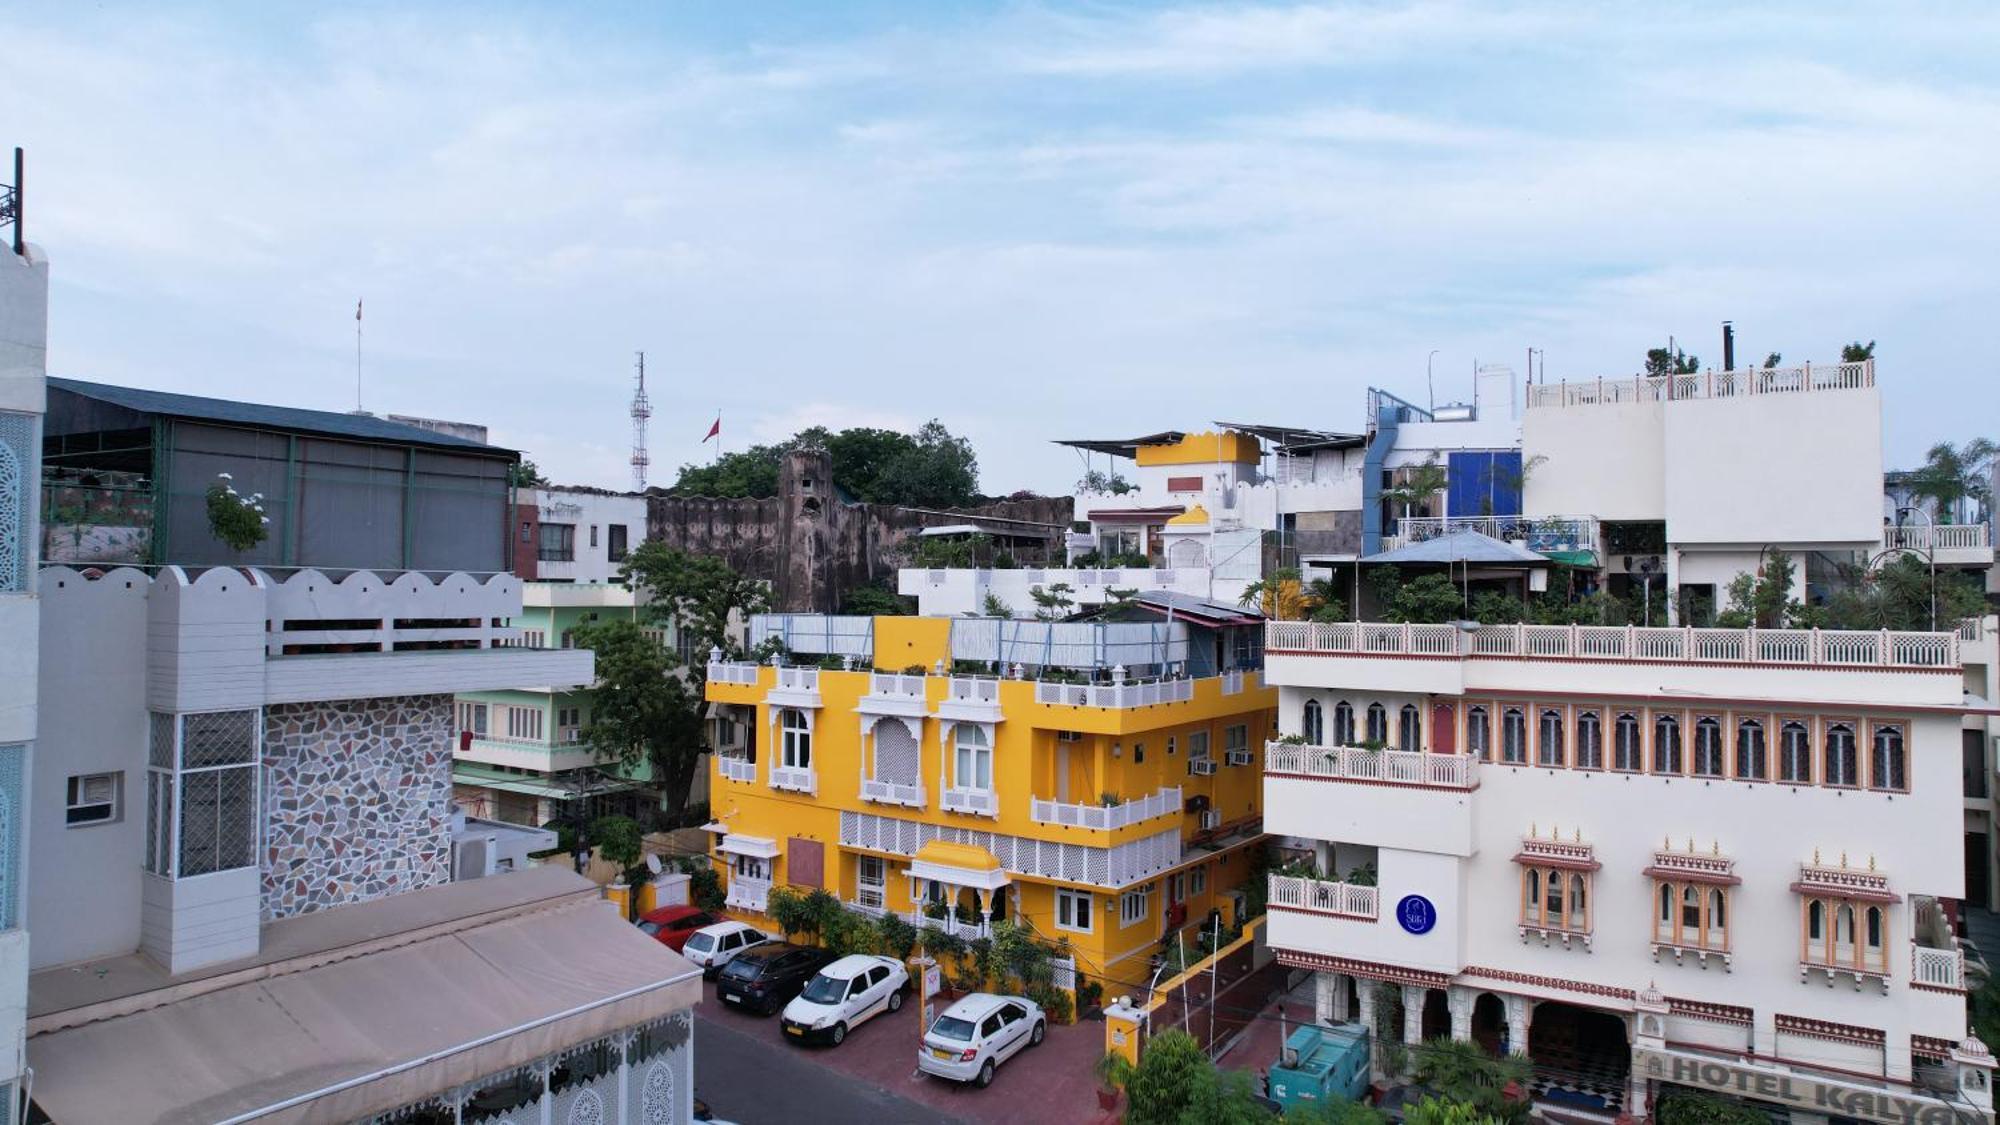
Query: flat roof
366	427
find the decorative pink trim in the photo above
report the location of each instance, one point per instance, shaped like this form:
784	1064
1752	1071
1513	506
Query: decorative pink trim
1300	959
1373	781
1587	988
1946	989
1321	913
1932	1045
1827	1029
1715	1013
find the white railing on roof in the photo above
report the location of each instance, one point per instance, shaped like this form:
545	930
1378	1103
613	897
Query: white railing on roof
892	792
979	802
1352	763
1238	681
1708	384
1165	801
1143	694
798	679
749	894
1884	648
737	769
1069	644
896	683
732	672
1943	537
1547	533
1971	629
972	689
1939	968
365	610
1350	900
793	778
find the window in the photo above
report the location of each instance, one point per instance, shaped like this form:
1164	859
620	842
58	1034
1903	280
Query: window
1750	761
1795	752
1138	753
593	535
1589	740
1133	906
1310	724
1885	765
1625	743
1378	724
1832	926
615	542
557	543
1197	746
870	876
524	723
94	798
472	717
1172	742
1478	733
1513	736
1708	746
1549	746
1198	880
1409	729
797	739
1841	767
201	793
569	716
1073	910
1691	915
975	757
1667	744
1343	723
1555	899
1236	737
527	532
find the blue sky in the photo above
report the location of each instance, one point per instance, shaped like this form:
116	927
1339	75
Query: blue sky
1030	221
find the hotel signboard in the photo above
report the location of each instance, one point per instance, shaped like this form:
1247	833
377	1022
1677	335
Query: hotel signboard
1813	1093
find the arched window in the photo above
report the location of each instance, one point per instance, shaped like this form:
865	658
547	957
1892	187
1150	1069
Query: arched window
1843	925
1666	744
1579	908
1625	743
1552	904
1841	767
1478	733
1663	919
1795	752
1513	736
1885	766
1718	918
1549	750
1876	955
1531	896
1750	762
1343	723
1409	728
1589	740
797	738
975	757
1816	931
1378	724
1310	724
1690	915
1708	746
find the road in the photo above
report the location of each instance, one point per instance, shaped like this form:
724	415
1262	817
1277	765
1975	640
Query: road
755	1079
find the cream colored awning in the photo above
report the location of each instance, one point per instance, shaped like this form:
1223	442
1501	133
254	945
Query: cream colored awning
345	1039
756	846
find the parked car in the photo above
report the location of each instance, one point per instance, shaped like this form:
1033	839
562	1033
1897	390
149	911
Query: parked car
846	994
714	946
764	978
972	1037
672	926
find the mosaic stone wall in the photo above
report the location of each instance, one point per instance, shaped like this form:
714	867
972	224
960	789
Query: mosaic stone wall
357	801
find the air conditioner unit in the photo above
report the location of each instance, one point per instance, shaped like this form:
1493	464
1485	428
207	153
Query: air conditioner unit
1211	819
1239	757
472	857
1197	803
1069	736
1201	767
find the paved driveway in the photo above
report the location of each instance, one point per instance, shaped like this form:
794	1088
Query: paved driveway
1050	1083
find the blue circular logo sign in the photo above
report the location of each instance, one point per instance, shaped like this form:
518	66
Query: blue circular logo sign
1416	914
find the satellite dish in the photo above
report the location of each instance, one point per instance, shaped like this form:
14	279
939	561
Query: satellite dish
652	863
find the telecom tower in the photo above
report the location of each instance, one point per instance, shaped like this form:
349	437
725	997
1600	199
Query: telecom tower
641	410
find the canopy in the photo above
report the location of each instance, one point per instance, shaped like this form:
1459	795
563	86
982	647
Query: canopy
1463	546
757	847
961	865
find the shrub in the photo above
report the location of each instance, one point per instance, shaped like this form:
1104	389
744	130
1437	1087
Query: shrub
898	938
705	888
238	521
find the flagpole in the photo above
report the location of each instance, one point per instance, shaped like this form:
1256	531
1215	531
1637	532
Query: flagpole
357	357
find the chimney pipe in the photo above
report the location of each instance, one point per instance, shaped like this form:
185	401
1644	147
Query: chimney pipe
1728	346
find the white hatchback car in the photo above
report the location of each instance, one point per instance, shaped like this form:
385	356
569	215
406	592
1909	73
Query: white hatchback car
844	995
712	947
979	1033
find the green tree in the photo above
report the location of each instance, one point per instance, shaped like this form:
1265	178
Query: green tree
620	841
1953	473
1438	1111
524	474
1102	480
1772	360
992	606
1681	1106
1897	595
752	472
1857	352
697	594
640	714
1334	1111
1661	361
1172	1082
1052	602
1426	599
1763	599
940	471
875	601
1417	484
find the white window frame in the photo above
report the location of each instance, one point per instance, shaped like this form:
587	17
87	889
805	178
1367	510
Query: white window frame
972	758
524	724
1135	906
871	881
473	716
1198	880
794	742
167	804
77	799
1068	905
1197	746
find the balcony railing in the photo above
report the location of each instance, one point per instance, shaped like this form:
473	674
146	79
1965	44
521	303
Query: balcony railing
1937	968
972	689
892	793
794	778
1943	537
1627	642
968	931
896	683
1548	533
980	802
749	894
1352	763
737	769
1165	801
1709	384
1143	694
732	673
798	679
1346	900
1239	681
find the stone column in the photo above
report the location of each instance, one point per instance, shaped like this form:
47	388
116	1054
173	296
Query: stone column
1461	1000
1366	992
1413	1014
1517	1025
1343	988
1324	986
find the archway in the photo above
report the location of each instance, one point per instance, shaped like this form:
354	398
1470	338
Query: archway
1489	1022
1582	1056
1437	1014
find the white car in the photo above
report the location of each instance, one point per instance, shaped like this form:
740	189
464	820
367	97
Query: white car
979	1033
712	947
844	995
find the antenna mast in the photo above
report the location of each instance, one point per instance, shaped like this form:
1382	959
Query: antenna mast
642	409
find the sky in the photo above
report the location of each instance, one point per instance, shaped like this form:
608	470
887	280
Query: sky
1030	221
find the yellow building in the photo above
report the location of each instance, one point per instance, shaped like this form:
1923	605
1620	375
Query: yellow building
1103	789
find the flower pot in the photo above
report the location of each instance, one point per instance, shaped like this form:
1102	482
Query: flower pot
1107	1100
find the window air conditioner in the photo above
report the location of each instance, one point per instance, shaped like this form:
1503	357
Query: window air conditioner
1069	736
1211	819
1201	767
1239	757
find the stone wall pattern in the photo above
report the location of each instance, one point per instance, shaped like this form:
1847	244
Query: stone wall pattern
357	801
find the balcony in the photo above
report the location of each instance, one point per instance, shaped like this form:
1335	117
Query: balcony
732	672
797	687
892	793
1545	534
1414	800
1352	763
1593	642
978	802
1319	896
1239	681
901	685
796	779
972	699
1114	695
1805	379
967	931
1941	969
737	769
747	894
1166	801
1947	544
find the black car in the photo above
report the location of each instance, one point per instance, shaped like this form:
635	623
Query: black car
765	978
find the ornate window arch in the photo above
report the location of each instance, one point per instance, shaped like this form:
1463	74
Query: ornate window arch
1312	724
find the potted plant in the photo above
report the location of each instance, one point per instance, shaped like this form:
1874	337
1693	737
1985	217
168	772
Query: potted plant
1113	1071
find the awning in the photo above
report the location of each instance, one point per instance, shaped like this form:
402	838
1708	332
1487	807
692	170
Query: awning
1136	515
960	865
1584	559
349	1038
754	846
1463	546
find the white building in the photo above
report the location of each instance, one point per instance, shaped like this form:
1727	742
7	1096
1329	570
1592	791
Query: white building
577	535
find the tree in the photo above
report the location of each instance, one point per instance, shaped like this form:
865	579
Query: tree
1661	361
992	606
1462	1073
1772	360
1426	599
1955	473
1102	480
696	594
1418	484
1857	352
750	473
1437	1111
939	471
1053	602
1764	599
1170	1081
874	601
524	474
641	714
620	841
1897	595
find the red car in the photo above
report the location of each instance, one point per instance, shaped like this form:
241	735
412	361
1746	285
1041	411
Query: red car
671	926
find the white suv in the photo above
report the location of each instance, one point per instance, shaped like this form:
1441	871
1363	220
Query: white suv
979	1033
844	995
712	947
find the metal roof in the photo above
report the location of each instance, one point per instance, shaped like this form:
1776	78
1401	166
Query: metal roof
228	411
1125	447
1297	439
1461	546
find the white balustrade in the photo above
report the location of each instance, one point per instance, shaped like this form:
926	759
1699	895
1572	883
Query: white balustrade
968	931
1351	900
1142	694
1712	646
1353	763
737	769
972	689
745	893
1940	968
1712	384
733	672
979	802
896	683
794	778
892	793
1162	803
798	679
1942	537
